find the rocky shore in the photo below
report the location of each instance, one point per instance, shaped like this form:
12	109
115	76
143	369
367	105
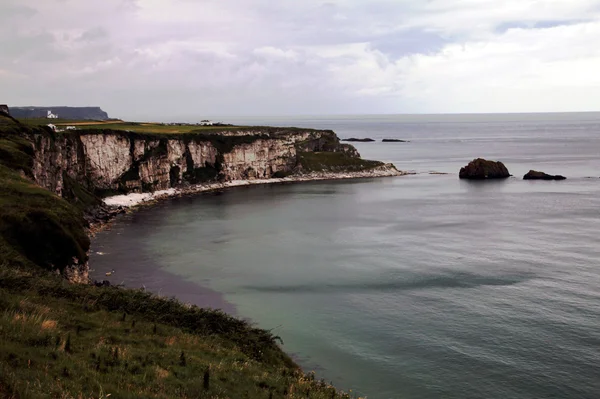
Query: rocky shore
117	203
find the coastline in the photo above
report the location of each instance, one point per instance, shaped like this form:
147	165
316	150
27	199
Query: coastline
136	199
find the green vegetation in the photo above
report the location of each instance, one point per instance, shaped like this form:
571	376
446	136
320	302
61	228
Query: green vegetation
334	162
148	128
70	341
36	226
65	340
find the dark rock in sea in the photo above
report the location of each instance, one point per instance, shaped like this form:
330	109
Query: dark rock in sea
535	175
481	169
394	141
103	283
353	139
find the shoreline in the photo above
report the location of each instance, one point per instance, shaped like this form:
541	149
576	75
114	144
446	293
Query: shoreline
114	206
138	199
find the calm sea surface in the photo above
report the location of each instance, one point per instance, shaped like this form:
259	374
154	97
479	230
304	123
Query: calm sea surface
413	287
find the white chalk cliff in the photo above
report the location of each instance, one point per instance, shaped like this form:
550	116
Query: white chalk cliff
119	162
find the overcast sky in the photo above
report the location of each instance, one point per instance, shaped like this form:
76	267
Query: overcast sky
176	58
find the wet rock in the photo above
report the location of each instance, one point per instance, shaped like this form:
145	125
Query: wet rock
103	283
482	169
536	175
354	139
394	141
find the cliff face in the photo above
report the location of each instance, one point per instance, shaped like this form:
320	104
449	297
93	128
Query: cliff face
111	162
89	113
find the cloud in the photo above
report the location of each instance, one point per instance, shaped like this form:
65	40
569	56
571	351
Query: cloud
139	58
94	34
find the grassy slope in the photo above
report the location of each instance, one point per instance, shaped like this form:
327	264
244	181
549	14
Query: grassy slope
61	340
72	341
36	226
334	162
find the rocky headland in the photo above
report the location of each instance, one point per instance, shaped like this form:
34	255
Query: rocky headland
78	113
84	167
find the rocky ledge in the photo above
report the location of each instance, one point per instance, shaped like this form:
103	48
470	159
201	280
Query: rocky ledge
536	175
394	141
482	169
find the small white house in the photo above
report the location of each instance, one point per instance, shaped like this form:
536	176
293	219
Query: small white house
206	122
51	115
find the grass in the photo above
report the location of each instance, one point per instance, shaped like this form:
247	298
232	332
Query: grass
147	127
334	162
36	226
63	340
73	341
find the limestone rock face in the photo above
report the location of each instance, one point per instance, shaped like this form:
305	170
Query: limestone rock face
117	162
108	157
481	169
535	175
259	160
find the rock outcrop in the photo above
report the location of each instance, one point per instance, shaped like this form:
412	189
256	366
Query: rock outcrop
4	111
481	169
535	175
394	141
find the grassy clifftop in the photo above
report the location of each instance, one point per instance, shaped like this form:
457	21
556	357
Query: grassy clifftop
79	341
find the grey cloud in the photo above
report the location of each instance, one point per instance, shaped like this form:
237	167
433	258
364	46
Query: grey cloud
503	27
12	10
261	56
93	34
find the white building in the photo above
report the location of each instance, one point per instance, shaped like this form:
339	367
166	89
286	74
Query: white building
206	123
51	115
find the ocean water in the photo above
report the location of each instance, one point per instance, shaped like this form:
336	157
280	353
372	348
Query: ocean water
420	286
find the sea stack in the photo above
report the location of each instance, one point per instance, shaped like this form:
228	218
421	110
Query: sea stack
536	175
482	169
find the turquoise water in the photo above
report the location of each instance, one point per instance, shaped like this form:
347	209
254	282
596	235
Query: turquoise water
413	287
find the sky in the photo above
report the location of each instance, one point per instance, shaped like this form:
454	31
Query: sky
144	59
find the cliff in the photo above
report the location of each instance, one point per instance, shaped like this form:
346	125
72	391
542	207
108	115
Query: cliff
116	162
78	113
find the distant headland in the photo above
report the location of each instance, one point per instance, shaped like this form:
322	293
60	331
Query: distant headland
55	112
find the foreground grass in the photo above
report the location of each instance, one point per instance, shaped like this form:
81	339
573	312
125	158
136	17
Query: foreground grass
66	341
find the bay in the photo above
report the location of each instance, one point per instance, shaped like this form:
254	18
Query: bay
421	286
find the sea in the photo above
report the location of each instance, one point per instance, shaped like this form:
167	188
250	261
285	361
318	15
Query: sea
422	286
